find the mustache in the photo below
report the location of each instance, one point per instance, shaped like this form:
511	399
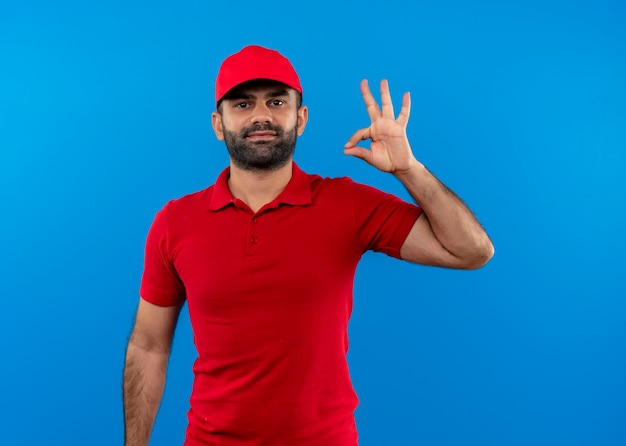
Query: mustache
267	127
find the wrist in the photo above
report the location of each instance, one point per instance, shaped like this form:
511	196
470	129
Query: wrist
413	168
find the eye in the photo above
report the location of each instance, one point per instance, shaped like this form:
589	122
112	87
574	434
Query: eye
241	105
276	102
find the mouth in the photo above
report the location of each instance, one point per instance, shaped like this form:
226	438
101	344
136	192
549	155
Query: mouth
261	135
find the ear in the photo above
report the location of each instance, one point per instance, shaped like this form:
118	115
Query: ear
303	117
216	122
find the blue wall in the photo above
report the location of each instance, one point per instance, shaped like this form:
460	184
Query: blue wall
520	107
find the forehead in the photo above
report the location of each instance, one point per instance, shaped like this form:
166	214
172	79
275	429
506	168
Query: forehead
259	88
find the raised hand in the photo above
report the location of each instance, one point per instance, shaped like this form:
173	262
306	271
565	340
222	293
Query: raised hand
389	150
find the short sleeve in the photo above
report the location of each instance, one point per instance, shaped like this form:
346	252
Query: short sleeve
383	220
160	284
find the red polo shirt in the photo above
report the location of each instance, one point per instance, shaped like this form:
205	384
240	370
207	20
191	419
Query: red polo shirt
269	296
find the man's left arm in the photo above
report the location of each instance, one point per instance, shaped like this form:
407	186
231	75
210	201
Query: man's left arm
447	233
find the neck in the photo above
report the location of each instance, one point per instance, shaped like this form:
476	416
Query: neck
255	188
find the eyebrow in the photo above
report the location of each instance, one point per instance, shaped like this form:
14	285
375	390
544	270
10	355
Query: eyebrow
245	95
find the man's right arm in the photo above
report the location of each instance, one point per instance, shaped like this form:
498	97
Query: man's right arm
147	356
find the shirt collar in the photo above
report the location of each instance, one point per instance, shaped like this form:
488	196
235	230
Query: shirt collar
297	192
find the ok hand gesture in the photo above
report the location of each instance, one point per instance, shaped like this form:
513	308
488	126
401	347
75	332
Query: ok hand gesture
389	150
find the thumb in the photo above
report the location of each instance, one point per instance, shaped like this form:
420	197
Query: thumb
359	152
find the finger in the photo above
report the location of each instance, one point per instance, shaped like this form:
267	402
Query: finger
358	136
385	100
360	152
370	103
405	111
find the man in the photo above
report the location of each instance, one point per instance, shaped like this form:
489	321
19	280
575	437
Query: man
265	259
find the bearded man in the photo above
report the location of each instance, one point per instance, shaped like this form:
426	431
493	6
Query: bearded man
265	259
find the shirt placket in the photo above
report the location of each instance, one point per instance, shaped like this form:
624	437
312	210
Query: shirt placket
253	238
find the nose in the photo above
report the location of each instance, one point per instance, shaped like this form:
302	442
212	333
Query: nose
261	114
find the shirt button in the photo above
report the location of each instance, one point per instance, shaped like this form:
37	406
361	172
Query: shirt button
254	220
254	240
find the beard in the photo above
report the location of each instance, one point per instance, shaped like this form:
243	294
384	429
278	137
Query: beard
260	156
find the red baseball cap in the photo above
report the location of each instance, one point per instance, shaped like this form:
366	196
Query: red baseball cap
254	62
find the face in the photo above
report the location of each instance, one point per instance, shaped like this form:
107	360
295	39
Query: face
259	122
